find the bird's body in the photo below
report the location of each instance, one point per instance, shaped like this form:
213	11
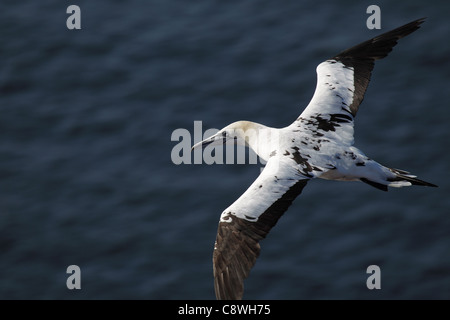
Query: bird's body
318	144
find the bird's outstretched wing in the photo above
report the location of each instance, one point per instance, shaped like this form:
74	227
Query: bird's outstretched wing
342	82
248	220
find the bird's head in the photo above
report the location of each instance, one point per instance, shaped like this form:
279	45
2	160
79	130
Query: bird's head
233	133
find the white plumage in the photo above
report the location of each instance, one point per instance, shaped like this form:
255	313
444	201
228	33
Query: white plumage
318	144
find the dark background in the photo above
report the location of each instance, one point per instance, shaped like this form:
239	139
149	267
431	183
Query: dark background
86	176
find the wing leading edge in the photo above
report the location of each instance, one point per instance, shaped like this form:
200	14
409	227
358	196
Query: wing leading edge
342	82
238	235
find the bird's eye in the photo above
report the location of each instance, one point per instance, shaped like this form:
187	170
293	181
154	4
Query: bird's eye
224	134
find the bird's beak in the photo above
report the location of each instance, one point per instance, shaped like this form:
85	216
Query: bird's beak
215	140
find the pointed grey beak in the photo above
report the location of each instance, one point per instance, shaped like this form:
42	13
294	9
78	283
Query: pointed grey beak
217	140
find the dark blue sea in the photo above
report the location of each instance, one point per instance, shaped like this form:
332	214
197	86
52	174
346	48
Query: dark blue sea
86	170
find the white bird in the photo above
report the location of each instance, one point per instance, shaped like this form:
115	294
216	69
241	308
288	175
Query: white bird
318	144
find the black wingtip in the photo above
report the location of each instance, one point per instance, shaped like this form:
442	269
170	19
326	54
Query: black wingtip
362	57
380	46
420	20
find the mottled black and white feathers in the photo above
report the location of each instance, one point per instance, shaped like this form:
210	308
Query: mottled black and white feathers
362	58
318	144
237	243
342	82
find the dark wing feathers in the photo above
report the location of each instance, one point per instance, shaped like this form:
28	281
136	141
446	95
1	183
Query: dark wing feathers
362	57
237	245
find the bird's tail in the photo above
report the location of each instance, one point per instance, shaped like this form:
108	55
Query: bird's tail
397	179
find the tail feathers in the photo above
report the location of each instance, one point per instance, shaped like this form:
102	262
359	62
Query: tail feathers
382	187
400	179
408	178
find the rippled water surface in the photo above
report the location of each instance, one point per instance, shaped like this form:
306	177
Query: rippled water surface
86	175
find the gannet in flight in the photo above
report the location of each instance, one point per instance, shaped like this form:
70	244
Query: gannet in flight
319	144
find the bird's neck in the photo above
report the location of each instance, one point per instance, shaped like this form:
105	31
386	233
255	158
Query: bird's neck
260	138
